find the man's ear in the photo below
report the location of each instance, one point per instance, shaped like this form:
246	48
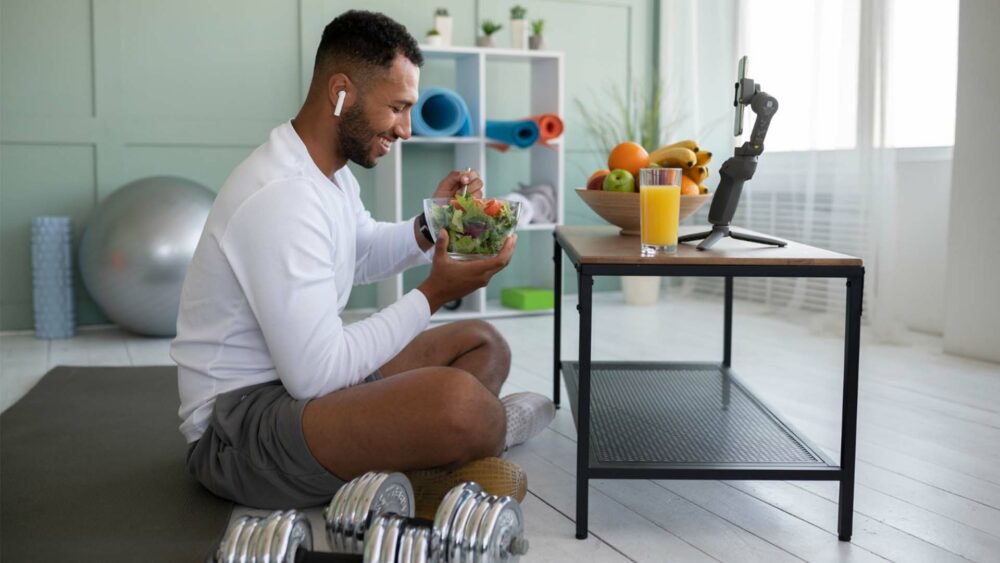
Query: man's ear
340	92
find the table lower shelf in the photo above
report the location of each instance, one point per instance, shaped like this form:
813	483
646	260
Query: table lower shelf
687	421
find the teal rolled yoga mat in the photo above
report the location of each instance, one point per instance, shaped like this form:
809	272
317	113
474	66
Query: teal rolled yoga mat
441	112
521	133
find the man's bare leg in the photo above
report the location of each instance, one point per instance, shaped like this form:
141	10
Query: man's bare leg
473	346
426	417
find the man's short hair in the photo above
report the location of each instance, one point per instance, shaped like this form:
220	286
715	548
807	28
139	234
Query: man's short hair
363	41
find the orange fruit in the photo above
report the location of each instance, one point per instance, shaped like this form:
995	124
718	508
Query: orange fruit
628	156
688	186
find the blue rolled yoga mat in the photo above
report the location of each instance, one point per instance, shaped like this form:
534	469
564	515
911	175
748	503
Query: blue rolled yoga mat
441	112
52	276
521	133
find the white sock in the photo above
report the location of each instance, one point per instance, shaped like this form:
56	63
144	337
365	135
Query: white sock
527	415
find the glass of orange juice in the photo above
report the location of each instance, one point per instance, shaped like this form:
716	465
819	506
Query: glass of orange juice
659	210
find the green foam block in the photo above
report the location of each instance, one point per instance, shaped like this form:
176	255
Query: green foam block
527	298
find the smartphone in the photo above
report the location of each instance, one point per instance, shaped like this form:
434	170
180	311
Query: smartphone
741	74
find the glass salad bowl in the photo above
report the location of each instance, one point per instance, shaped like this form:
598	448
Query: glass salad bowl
477	228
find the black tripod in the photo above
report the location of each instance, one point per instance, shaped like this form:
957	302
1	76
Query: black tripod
740	167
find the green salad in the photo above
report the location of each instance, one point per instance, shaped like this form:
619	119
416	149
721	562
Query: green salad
475	226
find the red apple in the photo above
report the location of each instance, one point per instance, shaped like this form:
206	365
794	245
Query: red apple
596	181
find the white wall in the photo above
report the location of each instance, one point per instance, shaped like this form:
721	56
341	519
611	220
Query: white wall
972	295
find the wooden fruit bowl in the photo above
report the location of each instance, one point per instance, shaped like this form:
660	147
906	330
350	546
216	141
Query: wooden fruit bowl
622	209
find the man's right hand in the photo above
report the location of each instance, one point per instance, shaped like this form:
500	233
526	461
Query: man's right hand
452	279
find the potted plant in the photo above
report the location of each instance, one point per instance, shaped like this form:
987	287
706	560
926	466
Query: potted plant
489	28
442	23
535	42
434	37
518	27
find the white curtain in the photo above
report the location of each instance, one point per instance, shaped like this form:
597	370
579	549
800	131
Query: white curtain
824	178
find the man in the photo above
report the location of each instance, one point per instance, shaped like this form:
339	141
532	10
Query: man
281	402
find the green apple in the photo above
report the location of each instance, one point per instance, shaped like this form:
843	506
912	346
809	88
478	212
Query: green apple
619	181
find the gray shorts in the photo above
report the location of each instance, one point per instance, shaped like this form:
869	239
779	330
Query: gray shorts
254	452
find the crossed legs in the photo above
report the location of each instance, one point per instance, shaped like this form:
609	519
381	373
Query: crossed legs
436	406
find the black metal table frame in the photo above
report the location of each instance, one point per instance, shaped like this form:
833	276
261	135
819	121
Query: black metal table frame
849	410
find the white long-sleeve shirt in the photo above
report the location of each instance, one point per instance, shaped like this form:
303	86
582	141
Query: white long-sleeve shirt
273	270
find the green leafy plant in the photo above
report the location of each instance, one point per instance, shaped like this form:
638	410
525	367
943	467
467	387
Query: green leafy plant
518	12
620	117
490	27
441	12
537	26
433	31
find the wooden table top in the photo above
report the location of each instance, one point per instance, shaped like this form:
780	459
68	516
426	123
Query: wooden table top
603	245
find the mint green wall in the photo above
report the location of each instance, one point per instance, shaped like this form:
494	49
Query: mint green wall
96	93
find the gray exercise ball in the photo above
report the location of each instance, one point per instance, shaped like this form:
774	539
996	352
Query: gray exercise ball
136	249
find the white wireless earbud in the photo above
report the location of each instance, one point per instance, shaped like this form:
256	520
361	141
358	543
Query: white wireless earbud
340	103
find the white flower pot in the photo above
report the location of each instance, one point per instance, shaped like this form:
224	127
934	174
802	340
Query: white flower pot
519	32
443	25
486	41
435	40
641	290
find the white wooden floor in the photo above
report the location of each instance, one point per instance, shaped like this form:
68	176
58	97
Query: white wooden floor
928	478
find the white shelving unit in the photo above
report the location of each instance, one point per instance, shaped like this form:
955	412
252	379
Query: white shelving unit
546	167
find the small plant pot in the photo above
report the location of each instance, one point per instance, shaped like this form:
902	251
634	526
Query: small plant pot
435	40
486	41
519	31
536	43
443	26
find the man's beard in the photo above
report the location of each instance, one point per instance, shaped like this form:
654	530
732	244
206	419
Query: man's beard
355	136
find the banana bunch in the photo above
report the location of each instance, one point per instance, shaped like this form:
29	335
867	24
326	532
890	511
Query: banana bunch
687	156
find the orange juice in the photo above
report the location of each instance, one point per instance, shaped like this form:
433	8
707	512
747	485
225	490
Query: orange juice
659	209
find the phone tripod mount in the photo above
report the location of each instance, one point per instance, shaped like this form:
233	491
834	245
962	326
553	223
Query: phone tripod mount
740	167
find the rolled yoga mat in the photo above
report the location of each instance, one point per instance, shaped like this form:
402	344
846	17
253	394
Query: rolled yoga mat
52	276
521	133
549	125
441	112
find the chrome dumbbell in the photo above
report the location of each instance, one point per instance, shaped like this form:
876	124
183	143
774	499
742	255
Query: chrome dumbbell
357	504
276	538
281	537
370	520
470	526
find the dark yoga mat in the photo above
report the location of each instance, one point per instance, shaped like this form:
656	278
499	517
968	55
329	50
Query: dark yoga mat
92	469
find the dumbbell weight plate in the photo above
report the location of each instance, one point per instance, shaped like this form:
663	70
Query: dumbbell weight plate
330	512
456	535
348	515
374	538
387	493
265	537
244	549
390	542
227	547
394	496
444	518
501	524
469	536
417	544
293	533
337	513
362	516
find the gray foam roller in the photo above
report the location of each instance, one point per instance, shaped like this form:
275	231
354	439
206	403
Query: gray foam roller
52	276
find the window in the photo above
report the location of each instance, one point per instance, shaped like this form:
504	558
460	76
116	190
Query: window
805	53
922	73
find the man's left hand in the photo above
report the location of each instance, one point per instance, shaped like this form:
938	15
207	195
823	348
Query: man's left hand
458	179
